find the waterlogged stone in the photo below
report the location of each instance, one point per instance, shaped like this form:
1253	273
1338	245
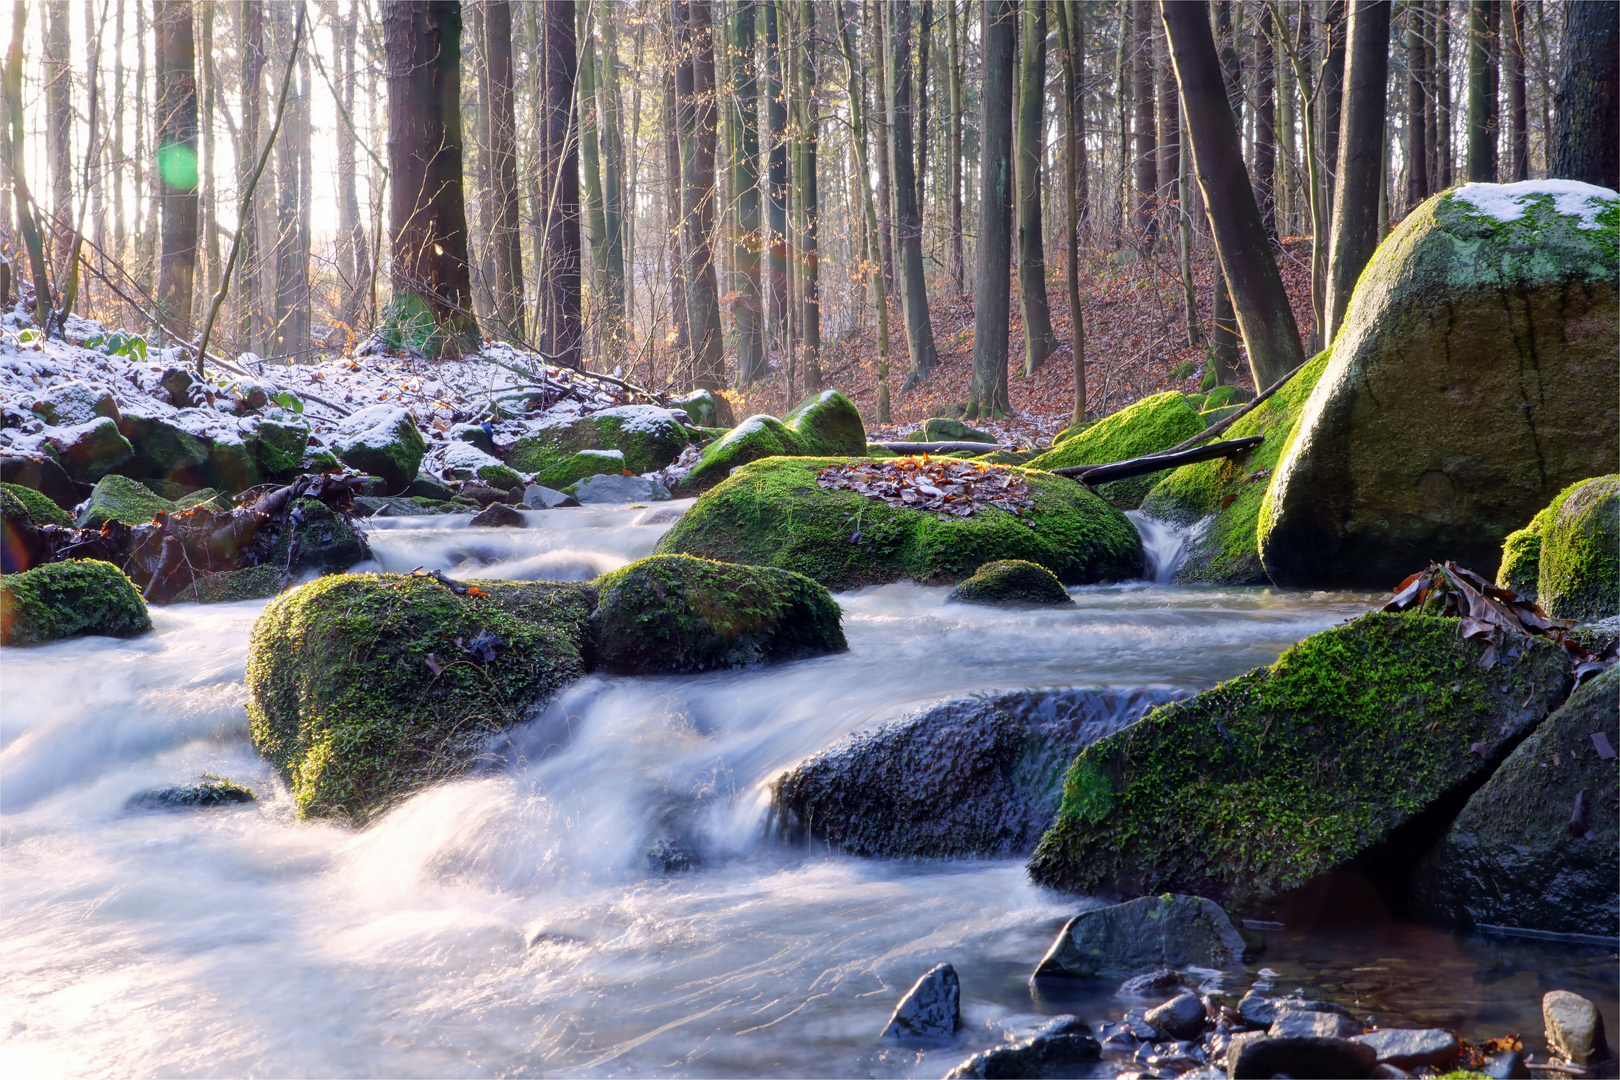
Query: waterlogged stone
1152	984
1409	1048
499	515
607	488
1146	933
1182	1017
1299	1023
1301	1058
1574	1028
538	497
1012	581
1064	1046
212	791
932	1009
66	599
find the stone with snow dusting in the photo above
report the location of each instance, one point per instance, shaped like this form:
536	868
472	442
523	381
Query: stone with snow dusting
1508	202
382	440
932	1009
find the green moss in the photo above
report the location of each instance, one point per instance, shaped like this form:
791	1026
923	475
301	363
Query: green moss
556	456
1521	559
554	467
826	425
65	599
771	513
678	613
1232	490
1012	581
24	502
407	322
1540	243
252	583
1580	551
1222	396
118	498
281	445
943	429
1261	784
319	539
1150	425
359	693
212	791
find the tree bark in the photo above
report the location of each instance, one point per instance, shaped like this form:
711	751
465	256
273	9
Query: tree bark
59	126
919	96
27	223
250	306
747	309
872	269
695	110
1071	38
1518	130
177	160
427	216
561	333
1265	123
807	248
1417	139
1445	175
590	160
880	108
776	183
1038	339
1169	139
1263	313
675	228
1585	145
1360	175
908	222
954	77
506	255
991	294
210	196
1147	170
615	318
1481	143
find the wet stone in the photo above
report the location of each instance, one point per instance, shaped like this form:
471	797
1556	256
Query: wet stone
499	515
540	497
1063	1047
1407	1048
1151	984
1574	1028
1302	1058
1299	1023
932	1009
1181	1017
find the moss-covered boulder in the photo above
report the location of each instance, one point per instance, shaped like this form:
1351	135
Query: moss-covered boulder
1150	425
66	599
1472	381
1537	846
1011	581
706	408
22	512
163	450
827	425
233	462
465	461
382	440
250	583
1228	491
118	498
90	450
318	539
283	440
1521	558
1329	760
25	502
1579	566
772	513
641	438
208	792
944	429
677	613
364	688
44	474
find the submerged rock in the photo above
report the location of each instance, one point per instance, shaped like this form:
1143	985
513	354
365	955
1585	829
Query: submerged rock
382	440
932	1009
1146	933
66	599
539	497
827	425
1150	425
1539	846
1012	581
1472	380
1063	1046
211	791
772	513
1182	1017
499	515
974	776
1182	800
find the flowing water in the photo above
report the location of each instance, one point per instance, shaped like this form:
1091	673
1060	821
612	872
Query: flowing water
512	923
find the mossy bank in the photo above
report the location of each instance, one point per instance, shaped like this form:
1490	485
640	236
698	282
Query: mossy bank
1153	424
825	425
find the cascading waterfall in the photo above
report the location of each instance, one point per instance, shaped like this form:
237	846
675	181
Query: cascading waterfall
1164	546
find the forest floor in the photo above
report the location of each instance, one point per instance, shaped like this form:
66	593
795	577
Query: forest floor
1135	336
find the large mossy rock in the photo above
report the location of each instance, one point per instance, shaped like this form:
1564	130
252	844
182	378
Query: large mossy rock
384	441
22	512
827	425
1146	427
1472	381
25	502
706	408
118	498
163	450
44	474
977	776
227	586
1328	760
90	450
1578	571
771	513
677	613
283	440
1228	491
66	599
641	438
1513	856
359	692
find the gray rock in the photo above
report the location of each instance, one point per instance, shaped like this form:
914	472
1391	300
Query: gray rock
932	1009
499	515
426	487
1263	1057
1149	932
605	488
1507	1065
1152	984
970	776
1182	1017
536	497
1574	1028
212	791
1064	1046
1257	1009
90	450
42	474
1407	1048
1303	1024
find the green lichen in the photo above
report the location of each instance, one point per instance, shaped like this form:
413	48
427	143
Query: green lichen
1150	425
359	692
1255	787
395	460
1222	396
1541	243
1232	490
227	586
944	429
1579	562
66	599
24	502
678	613
826	425
118	498
1012	581
772	513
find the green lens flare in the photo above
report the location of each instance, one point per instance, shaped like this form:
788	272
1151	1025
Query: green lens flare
177	164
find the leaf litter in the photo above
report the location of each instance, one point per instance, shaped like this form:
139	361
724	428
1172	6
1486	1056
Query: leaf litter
949	487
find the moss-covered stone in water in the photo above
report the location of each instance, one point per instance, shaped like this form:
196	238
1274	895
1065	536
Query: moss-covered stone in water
1230	490
1012	581
677	613
19	501
252	583
1580	552
65	599
118	498
211	791
827	425
771	513
359	693
1262	784
1150	425
641	438
326	541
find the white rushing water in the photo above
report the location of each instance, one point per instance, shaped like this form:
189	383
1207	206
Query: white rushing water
510	922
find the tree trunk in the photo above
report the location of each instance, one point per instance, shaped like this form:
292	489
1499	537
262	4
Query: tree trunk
776	184
561	334
355	263
1360	176
1417	148
590	159
1481	144
177	160
1263	313
59	126
954	77
1124	40
908	222
1518	130
991	293
210	189
1584	143
427	216
1071	38
1169	137
1332	94
27	222
695	110
250	304
303	317
873	271
1147	170
506	257
615	324
807	199
675	229
747	313
1445	176
925	35
1265	122
880	106
1038	339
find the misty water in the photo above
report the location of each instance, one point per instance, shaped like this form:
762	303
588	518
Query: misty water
512	923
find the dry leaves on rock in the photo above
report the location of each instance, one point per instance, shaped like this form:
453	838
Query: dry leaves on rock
949	487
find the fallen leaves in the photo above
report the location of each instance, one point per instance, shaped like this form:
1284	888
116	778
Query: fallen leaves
949	487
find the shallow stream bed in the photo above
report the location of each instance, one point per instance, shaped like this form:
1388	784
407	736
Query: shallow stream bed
514	922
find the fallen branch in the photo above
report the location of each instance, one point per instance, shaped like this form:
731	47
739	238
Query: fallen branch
1217	428
1150	463
940	447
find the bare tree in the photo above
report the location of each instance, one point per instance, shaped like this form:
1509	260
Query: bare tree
998	29
176	126
1360	175
506	259
907	219
1038	338
561	331
1585	145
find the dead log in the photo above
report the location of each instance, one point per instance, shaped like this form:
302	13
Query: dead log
1091	475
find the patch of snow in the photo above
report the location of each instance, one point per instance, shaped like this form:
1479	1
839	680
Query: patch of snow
1508	202
464	455
640	418
617	455
374	427
747	427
